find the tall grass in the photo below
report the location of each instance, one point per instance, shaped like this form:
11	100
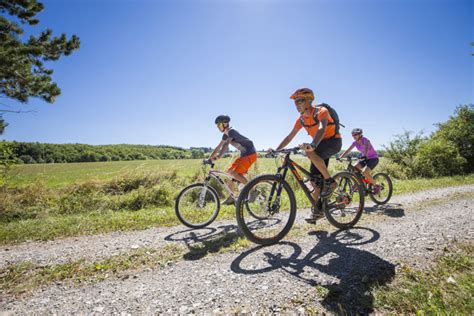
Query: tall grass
67	202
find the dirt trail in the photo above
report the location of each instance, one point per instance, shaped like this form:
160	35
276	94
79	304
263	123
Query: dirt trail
287	276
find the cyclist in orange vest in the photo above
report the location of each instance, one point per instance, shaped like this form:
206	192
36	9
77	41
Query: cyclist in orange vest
326	141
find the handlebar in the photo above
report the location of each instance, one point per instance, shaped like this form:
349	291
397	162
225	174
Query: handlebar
350	159
274	153
208	162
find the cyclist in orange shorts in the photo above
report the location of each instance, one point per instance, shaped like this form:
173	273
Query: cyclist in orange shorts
248	154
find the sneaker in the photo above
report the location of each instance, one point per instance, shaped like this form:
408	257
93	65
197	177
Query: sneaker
329	186
253	195
229	201
376	189
314	216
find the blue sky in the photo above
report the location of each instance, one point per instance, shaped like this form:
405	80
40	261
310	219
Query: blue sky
159	72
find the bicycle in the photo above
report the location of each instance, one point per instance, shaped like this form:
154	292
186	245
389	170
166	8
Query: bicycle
381	192
275	202
198	204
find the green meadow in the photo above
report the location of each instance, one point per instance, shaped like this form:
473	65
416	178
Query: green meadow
49	201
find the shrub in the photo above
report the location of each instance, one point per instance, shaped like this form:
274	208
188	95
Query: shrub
402	151
27	159
438	157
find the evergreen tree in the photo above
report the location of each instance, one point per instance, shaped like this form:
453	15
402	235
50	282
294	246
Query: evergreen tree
22	70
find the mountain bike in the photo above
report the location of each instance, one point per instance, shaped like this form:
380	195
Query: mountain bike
381	192
275	202
198	204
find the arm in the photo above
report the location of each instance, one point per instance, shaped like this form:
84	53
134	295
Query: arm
348	150
216	153
288	139
224	149
366	148
320	133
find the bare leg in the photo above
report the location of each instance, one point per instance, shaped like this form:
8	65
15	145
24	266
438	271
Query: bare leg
368	176
238	177
319	163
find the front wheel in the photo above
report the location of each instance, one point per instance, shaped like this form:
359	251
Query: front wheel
344	207
266	209
382	191
197	205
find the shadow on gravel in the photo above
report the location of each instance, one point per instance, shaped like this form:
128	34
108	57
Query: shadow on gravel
357	271
390	209
200	242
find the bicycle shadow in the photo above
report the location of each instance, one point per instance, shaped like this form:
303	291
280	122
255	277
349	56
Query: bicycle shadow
347	274
201	242
389	209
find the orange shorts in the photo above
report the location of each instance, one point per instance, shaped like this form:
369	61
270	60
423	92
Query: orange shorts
242	164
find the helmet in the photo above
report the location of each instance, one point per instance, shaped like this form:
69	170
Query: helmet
303	93
222	119
356	131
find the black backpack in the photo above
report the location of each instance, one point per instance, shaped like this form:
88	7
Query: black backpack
332	113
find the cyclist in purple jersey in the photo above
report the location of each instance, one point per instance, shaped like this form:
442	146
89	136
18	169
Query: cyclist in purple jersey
370	156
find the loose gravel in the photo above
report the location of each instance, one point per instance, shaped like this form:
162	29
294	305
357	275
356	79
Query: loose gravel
323	270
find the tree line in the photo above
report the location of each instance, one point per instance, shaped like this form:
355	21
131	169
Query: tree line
29	153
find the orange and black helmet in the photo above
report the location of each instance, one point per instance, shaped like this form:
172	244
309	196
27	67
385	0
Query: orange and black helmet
303	93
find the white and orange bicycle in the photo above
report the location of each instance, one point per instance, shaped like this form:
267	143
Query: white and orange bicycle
198	204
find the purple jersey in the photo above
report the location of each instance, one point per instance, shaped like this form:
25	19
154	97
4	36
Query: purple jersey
371	153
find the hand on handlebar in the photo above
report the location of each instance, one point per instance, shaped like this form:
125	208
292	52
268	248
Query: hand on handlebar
306	147
270	153
207	162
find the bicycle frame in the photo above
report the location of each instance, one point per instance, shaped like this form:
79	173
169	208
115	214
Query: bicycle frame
359	175
294	167
215	175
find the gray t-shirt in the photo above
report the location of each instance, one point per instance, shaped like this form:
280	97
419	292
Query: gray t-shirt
242	143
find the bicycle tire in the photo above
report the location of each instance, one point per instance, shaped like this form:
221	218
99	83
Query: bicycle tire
240	210
209	219
344	178
390	188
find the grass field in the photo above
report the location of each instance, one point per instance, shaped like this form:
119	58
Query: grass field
49	201
57	175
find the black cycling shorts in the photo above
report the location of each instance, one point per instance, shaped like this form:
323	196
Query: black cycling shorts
371	163
325	150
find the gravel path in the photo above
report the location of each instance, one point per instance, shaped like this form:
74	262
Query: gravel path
288	275
96	247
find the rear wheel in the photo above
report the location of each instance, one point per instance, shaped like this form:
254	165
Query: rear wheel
344	207
383	193
197	205
267	217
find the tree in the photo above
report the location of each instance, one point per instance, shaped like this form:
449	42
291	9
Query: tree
459	129
22	70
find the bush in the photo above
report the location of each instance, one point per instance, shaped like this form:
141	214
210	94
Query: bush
438	157
402	151
27	159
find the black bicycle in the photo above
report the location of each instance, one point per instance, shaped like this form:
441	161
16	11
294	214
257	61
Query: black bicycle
275	202
381	192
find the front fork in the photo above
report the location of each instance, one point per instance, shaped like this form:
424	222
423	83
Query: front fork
202	194
276	189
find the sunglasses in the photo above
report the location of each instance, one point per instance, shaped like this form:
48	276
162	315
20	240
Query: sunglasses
298	101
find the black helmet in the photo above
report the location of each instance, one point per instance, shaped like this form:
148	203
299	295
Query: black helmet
222	119
356	131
